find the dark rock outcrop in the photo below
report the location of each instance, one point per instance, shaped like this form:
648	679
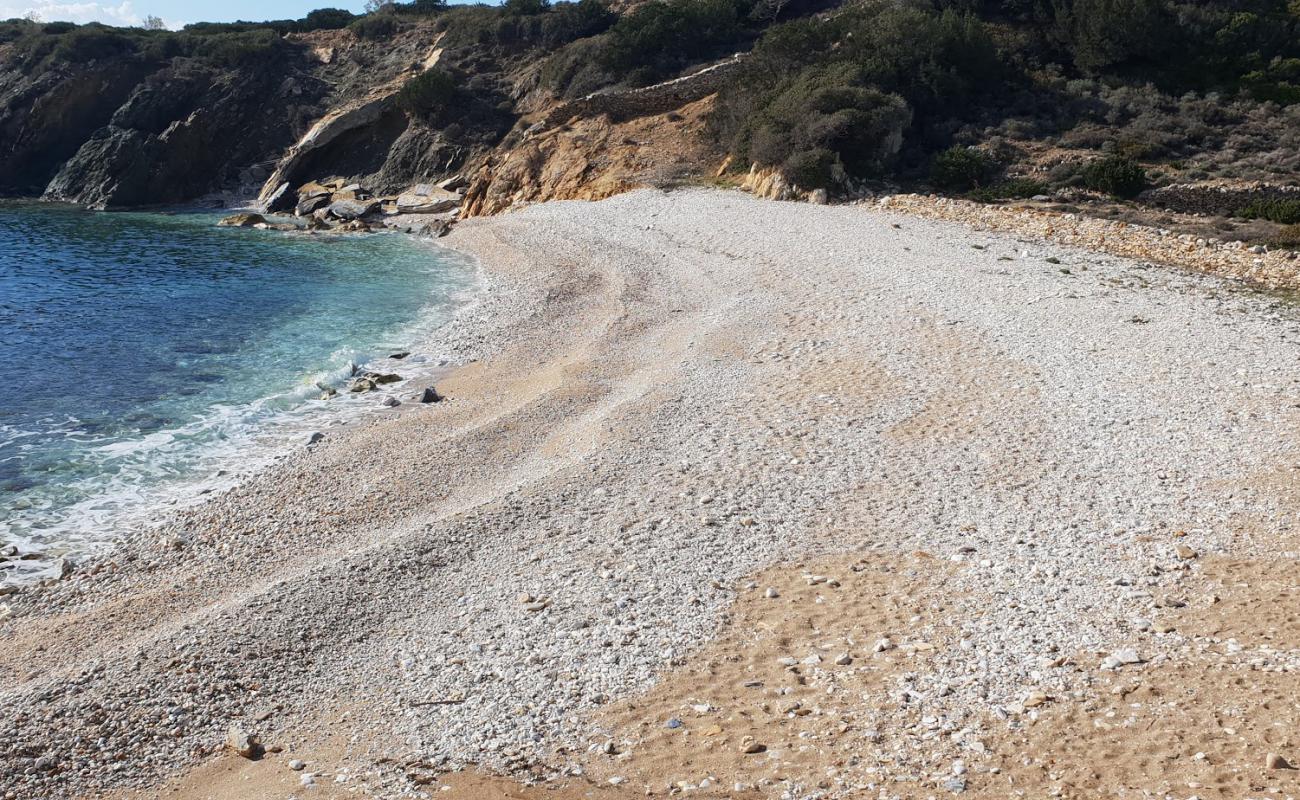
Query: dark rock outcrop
171	140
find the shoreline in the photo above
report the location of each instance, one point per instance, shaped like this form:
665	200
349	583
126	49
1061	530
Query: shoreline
285	419
680	391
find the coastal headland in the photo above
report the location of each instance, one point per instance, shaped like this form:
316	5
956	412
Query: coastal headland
730	498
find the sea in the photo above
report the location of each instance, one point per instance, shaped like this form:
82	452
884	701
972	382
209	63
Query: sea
152	358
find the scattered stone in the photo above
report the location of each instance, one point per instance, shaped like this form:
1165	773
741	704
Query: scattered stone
843	660
883	645
315	438
430	395
1121	658
673	723
297	766
1275	761
244	743
1035	699
1185	553
390	402
749	746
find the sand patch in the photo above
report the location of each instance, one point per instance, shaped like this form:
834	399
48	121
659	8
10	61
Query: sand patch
799	688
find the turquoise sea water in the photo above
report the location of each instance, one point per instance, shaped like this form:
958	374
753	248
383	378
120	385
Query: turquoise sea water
148	355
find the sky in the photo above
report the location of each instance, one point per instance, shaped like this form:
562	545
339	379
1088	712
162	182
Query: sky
174	12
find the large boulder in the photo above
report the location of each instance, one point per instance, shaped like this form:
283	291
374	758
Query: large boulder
352	209
426	199
243	220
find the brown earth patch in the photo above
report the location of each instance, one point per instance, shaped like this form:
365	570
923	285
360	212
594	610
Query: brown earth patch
796	689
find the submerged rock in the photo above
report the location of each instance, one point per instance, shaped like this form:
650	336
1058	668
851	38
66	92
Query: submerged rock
243	220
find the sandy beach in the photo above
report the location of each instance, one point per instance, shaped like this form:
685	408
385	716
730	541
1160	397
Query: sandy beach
731	498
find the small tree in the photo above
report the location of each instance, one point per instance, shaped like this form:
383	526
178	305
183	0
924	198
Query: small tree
525	8
377	5
152	23
1115	175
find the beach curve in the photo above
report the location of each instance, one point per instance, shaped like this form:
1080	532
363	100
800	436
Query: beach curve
672	393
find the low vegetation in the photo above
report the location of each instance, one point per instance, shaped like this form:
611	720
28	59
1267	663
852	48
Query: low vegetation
1117	176
954	94
1286	212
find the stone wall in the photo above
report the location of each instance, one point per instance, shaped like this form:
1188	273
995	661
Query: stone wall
657	99
1222	200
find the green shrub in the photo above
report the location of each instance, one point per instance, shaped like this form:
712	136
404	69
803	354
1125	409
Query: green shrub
1286	212
552	27
427	95
663	36
961	169
374	26
1115	175
810	169
1013	189
421	7
820	122
1288	237
92	42
327	19
1109	33
236	49
525	8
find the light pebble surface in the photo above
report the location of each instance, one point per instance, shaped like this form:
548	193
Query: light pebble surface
671	392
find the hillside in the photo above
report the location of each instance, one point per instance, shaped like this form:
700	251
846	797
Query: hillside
1076	101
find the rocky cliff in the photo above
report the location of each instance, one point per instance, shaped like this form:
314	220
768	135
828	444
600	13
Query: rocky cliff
267	120
532	100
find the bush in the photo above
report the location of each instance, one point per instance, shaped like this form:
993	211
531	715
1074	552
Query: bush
525	8
374	26
421	7
551	27
1117	176
327	19
663	36
1109	33
235	49
1013	189
1288	237
427	95
820	123
961	169
91	43
1286	212
810	169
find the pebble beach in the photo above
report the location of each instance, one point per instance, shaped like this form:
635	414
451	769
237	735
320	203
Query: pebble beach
728	498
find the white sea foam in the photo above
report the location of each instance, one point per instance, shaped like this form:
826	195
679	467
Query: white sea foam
131	483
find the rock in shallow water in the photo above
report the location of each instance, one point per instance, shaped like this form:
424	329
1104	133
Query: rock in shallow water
246	220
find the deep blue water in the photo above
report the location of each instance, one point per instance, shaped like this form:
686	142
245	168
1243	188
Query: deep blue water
142	352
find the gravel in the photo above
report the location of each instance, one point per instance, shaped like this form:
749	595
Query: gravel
672	391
